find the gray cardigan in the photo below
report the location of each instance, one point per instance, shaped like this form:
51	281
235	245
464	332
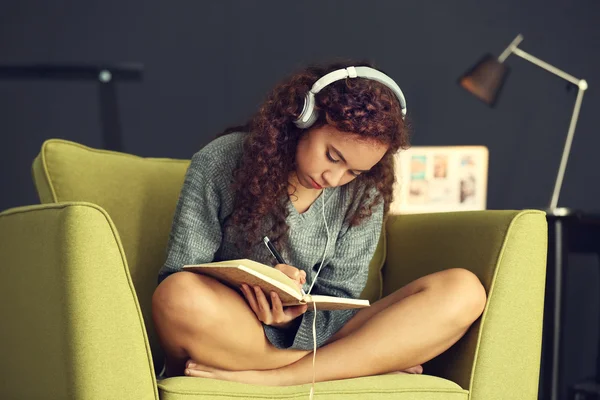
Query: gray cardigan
197	236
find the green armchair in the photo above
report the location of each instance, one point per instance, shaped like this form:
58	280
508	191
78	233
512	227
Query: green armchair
79	270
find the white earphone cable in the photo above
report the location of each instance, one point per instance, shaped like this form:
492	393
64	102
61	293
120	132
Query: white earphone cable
326	244
314	325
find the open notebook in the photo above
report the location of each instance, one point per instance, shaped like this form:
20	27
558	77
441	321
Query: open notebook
236	272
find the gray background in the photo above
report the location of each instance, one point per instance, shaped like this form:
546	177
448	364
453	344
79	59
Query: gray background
208	65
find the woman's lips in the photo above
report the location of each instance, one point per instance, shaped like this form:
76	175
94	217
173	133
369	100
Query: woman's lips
315	184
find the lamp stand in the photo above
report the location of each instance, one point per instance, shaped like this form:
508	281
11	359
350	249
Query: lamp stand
582	85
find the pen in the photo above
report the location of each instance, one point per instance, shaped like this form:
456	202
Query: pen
277	256
273	250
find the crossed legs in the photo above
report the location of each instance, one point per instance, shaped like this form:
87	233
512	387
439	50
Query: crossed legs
198	318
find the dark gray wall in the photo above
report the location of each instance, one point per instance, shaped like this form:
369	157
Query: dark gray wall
209	65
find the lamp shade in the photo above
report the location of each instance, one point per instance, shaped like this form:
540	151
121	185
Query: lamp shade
485	79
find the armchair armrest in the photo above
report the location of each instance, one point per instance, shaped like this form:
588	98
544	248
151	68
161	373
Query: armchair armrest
499	357
72	326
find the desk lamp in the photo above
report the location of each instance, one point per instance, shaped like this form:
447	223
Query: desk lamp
485	80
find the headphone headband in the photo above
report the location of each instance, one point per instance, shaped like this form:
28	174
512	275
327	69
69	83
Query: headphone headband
309	115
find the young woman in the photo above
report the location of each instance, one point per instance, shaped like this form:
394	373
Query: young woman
313	171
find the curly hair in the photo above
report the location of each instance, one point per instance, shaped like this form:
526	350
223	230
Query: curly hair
358	106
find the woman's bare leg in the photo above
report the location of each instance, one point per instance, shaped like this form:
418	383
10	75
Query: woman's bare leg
197	317
407	328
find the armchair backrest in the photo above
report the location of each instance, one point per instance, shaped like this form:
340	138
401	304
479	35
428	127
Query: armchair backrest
140	195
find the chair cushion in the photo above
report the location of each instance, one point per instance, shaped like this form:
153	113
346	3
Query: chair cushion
140	195
399	387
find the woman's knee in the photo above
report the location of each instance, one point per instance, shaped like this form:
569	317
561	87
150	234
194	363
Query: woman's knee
185	298
465	295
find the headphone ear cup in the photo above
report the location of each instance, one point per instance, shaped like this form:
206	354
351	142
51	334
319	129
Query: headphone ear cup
308	116
312	118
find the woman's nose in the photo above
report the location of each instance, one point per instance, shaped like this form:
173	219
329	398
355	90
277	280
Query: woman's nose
333	177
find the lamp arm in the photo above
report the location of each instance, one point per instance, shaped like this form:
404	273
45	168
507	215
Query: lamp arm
580	83
545	65
514	49
567	148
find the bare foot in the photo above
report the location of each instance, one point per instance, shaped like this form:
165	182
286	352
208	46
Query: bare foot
267	378
417	369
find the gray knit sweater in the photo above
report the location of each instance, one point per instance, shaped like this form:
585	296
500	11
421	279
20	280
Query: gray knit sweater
197	236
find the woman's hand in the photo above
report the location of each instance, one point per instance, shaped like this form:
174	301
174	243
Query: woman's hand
296	274
271	313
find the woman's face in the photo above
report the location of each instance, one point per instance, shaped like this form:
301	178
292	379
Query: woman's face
326	157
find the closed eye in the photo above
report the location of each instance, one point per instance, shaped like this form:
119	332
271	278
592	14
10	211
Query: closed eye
333	160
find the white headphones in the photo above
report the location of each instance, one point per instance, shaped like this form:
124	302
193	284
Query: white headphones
309	114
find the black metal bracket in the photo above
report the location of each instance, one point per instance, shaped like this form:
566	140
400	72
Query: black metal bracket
106	75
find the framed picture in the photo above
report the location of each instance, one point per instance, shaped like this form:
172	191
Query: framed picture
437	179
